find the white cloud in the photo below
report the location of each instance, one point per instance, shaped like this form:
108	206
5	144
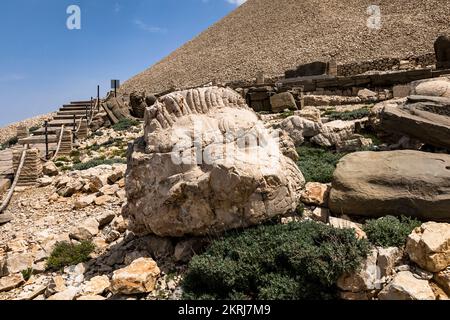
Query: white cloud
236	2
143	26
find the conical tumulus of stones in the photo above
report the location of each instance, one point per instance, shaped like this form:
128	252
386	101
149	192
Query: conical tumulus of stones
207	164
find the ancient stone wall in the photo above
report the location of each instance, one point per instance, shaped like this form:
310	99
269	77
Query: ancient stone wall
386	64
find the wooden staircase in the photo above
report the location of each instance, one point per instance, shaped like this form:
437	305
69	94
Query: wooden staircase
68	115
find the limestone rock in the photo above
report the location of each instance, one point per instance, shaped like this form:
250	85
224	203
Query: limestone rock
439	87
115	176
346	224
377	184
66	295
91	298
11	282
182	179
300	128
5	218
119	224
57	284
84	201
86	231
363	280
316	194
97	285
44	182
139	277
367	95
443	280
18	262
102	200
50	169
282	101
429	246
105	219
387	259
3	266
310	113
94	184
321	215
334	133
424	118
406	287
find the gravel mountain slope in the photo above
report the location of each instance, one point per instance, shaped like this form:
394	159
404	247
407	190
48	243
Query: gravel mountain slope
273	36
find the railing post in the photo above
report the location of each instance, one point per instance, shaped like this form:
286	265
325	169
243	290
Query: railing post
74	127
46	139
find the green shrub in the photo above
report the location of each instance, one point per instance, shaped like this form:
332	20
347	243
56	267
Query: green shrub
27	273
293	261
34	128
390	231
11	142
62	159
95	163
125	124
317	164
67	254
348	115
287	114
75	153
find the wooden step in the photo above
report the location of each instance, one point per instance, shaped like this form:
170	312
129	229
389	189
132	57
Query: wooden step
74	108
41	131
82	102
59	123
70	117
71	113
39	139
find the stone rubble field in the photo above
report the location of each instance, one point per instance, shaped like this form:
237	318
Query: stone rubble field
142	218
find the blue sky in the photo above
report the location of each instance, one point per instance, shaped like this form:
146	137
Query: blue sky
43	64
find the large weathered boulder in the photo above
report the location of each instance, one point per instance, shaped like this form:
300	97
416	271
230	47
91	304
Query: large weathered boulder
429	246
205	165
334	133
424	118
300	128
438	87
406	182
139	277
407	287
282	101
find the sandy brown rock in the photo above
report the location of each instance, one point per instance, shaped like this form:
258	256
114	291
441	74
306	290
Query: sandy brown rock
406	287
208	165
396	183
316	194
429	246
139	277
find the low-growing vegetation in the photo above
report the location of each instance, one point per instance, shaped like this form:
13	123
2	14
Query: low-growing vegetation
287	114
8	144
348	115
95	163
390	231
318	164
125	124
34	128
67	254
27	273
294	261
